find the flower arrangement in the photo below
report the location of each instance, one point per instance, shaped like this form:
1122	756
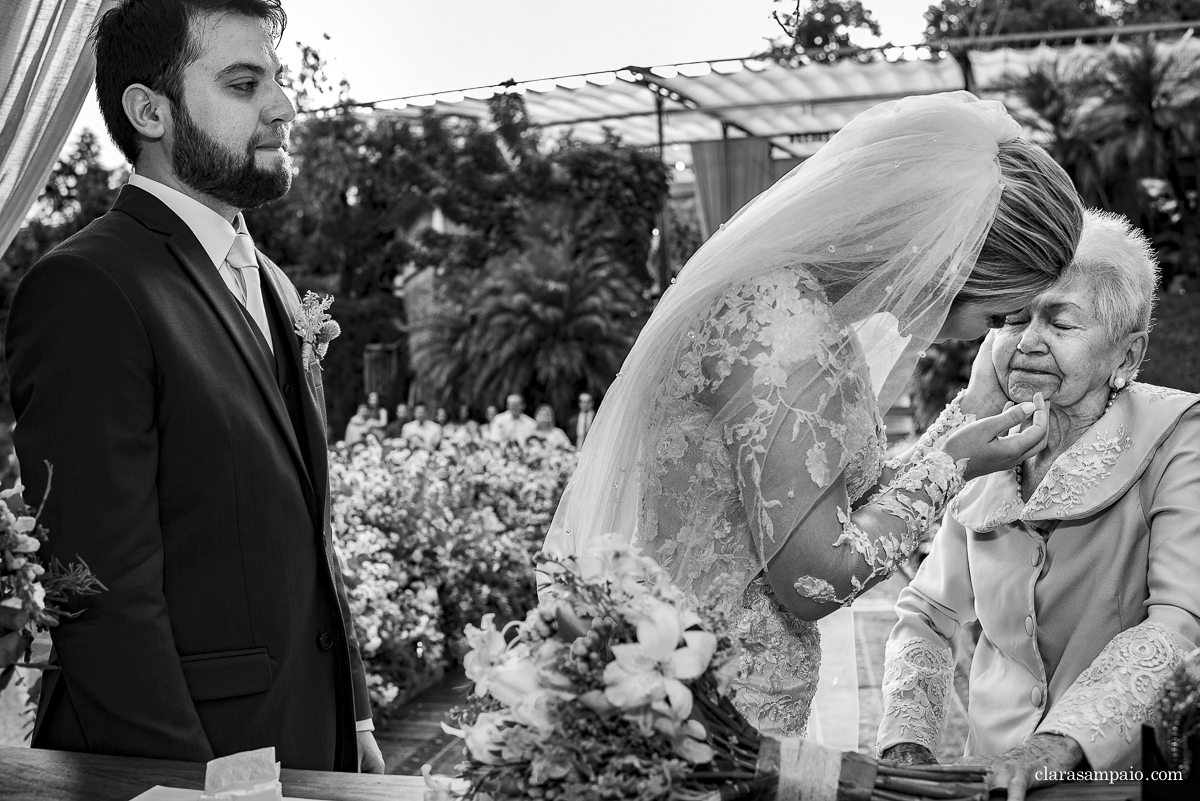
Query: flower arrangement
640	706
1176	721
31	596
430	541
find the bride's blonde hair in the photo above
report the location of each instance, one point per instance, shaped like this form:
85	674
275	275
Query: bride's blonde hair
1034	233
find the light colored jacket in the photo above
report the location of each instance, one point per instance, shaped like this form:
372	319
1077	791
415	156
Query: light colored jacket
1080	628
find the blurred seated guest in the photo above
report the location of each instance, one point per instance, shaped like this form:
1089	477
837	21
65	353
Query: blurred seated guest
512	425
462	425
441	416
1080	566
395	429
377	412
360	424
545	431
421	432
581	423
489	414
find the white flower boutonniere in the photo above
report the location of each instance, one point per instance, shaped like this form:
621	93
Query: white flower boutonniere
315	328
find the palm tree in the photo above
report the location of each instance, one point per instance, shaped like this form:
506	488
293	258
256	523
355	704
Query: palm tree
549	321
1146	117
1050	99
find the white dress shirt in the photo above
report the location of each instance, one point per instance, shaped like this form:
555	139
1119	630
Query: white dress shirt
214	232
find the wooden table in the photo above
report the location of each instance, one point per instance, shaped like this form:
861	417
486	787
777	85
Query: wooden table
32	774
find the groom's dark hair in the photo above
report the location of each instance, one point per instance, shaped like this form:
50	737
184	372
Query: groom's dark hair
150	42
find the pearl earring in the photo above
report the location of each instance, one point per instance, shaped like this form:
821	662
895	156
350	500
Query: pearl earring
1119	384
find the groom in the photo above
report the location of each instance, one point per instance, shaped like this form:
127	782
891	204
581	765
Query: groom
155	367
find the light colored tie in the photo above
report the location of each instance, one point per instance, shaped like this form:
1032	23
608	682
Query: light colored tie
245	266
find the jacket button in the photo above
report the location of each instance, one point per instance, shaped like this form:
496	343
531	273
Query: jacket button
325	641
287	390
1029	627
1036	696
1037	557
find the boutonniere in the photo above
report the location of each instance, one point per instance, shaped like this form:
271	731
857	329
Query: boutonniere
315	328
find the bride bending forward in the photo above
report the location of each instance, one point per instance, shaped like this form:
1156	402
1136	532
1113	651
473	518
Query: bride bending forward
741	445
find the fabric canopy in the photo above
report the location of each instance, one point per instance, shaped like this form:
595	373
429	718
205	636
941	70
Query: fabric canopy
46	68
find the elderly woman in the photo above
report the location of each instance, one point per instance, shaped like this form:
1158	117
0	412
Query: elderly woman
1082	566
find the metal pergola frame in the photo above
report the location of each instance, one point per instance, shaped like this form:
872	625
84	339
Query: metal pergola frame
796	107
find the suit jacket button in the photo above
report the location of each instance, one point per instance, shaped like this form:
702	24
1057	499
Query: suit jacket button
287	390
325	641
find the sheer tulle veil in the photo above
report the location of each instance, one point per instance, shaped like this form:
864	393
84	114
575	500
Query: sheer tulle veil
888	216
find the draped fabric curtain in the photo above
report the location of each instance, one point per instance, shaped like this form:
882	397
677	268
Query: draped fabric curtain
729	173
46	69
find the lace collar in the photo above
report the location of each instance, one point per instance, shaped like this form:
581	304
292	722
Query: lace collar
1090	475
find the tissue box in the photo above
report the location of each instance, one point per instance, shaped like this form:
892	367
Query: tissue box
246	776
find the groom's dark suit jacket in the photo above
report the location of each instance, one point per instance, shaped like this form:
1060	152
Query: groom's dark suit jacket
190	474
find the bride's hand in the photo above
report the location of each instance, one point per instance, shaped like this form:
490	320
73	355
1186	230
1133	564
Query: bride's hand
989	446
984	396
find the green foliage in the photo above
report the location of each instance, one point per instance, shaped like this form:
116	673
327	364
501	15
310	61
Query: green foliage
1173	357
950	19
939	376
686	238
375	318
621	189
819	31
1134	12
551	320
1115	125
1052	99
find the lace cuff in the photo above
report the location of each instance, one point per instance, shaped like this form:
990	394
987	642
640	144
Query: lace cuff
916	499
950	420
1105	707
918	678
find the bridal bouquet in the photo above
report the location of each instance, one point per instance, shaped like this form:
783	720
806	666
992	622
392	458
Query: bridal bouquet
640	707
30	594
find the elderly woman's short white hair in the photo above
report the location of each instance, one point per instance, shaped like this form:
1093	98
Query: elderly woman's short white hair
1118	264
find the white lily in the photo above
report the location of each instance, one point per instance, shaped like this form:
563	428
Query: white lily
655	667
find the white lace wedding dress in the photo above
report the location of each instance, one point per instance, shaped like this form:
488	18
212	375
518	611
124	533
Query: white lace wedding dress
695	504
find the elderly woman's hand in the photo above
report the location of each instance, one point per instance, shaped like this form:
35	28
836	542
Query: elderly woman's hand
985	395
993	443
1030	764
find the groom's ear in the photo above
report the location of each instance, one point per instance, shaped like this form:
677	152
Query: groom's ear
148	111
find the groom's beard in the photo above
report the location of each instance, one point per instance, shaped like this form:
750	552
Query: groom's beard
230	177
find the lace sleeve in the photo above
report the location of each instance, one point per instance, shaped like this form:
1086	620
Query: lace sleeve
885	532
918	678
950	420
1105	707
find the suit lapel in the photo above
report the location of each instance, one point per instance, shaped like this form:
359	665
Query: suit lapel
187	250
313	401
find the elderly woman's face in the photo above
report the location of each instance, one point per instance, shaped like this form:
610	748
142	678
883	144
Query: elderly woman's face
1056	346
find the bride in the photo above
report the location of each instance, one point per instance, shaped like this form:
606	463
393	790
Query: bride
741	444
